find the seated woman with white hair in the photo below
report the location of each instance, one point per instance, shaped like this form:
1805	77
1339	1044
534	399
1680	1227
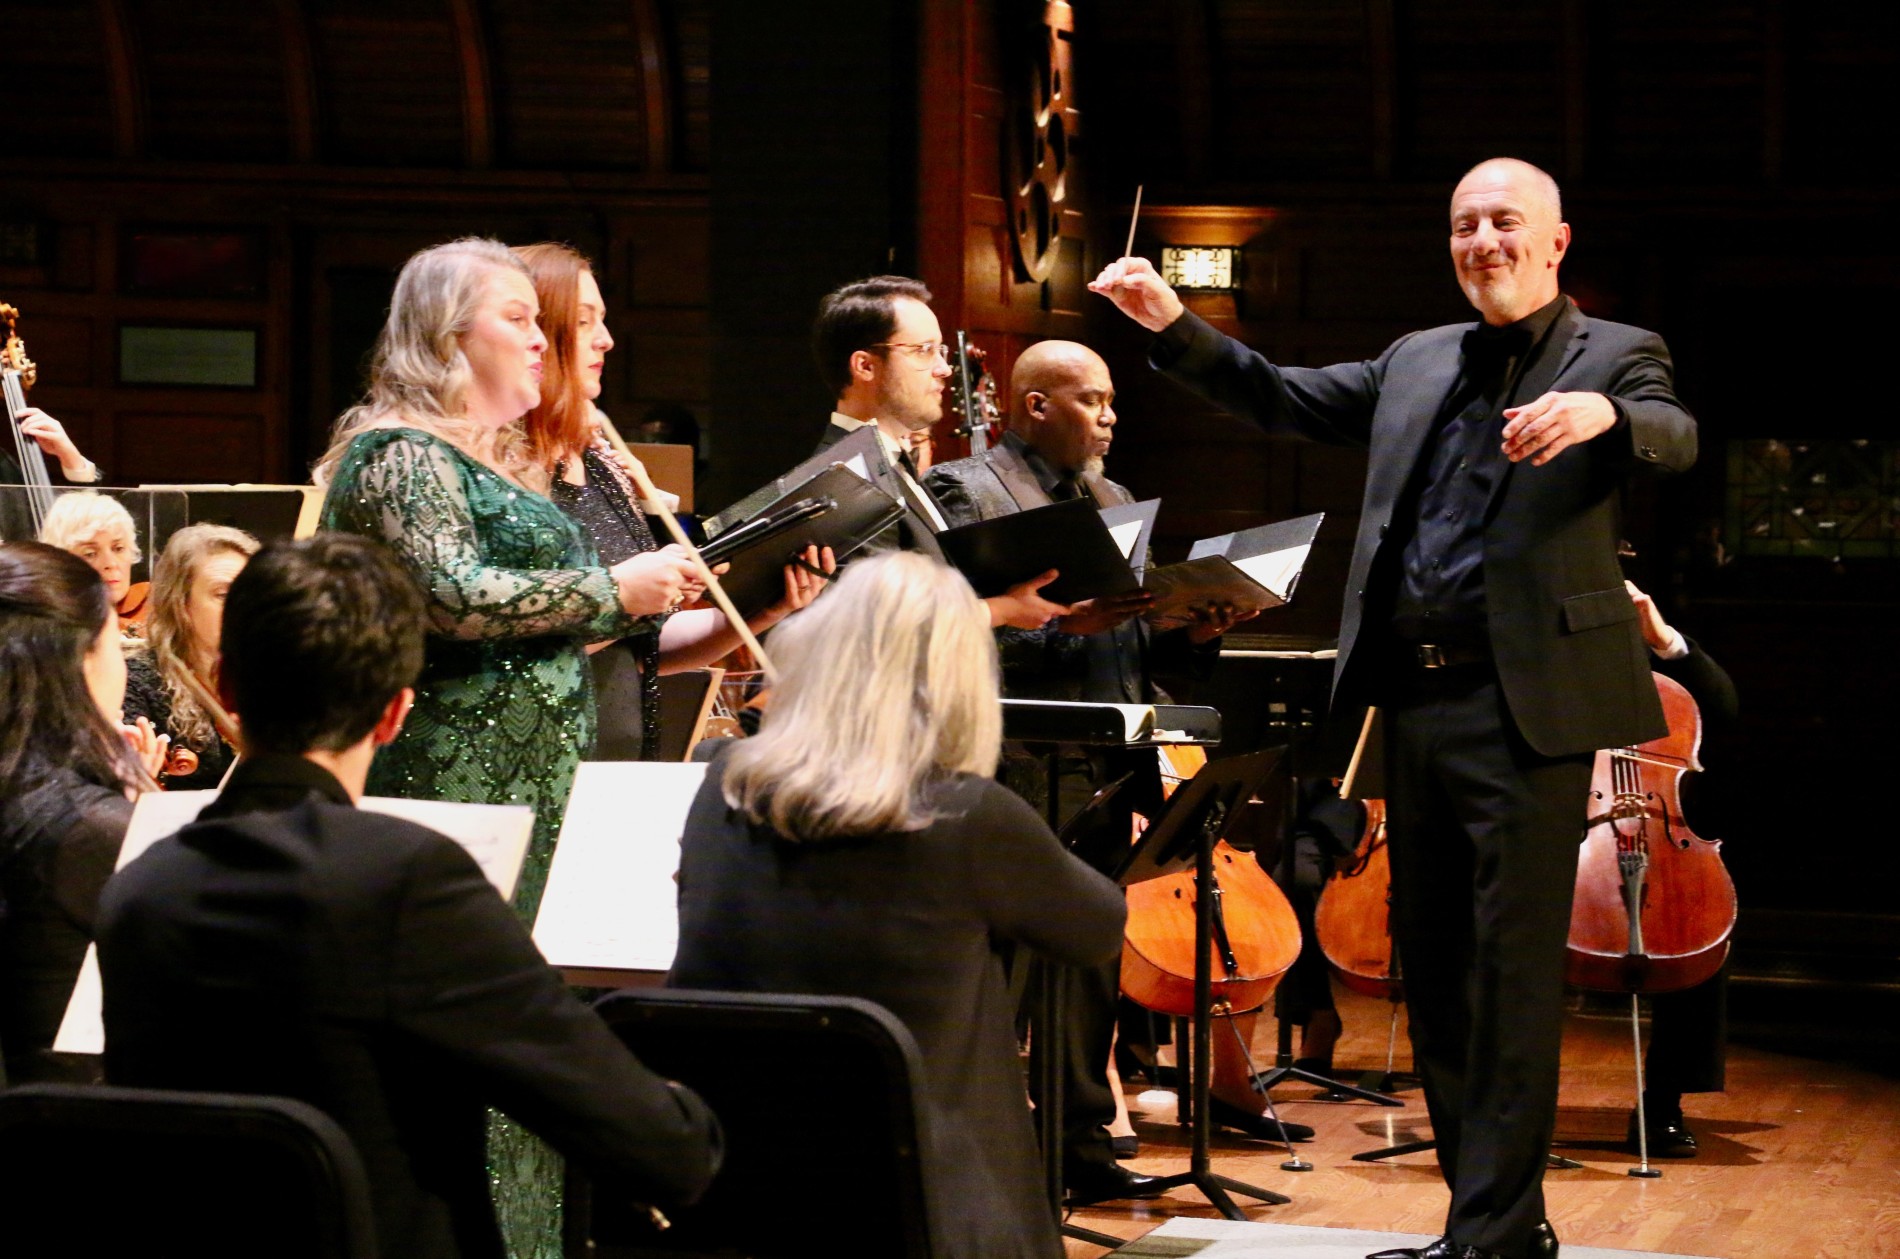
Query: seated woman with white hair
859	845
99	530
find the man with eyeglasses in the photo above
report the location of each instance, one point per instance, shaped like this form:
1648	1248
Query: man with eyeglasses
881	352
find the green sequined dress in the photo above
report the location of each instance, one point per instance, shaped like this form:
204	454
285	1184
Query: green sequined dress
504	709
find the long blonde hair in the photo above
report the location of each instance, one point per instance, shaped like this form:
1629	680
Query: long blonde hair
419	376
168	628
887	685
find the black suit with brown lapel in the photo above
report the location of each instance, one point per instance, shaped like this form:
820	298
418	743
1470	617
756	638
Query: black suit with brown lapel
1488	761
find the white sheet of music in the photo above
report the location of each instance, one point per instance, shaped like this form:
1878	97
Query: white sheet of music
495	835
611	901
1125	536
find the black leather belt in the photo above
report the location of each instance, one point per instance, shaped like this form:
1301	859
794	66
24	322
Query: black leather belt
1447	655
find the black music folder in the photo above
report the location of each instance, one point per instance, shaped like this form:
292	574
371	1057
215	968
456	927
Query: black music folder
1253	569
859	452
1132	525
1070	537
836	508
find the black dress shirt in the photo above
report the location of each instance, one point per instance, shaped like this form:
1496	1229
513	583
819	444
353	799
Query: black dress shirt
1440	595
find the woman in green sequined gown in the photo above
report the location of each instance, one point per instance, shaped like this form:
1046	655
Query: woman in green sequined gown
433	464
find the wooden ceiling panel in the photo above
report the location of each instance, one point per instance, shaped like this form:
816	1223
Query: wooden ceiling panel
1294	89
568	74
390	84
689	31
1679	93
1479	78
59	76
213	76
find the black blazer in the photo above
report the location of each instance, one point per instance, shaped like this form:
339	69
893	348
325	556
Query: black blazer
59	839
913	531
1571	661
919	923
1109	668
288	943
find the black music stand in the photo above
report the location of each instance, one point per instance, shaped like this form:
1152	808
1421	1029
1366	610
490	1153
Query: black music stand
1183	835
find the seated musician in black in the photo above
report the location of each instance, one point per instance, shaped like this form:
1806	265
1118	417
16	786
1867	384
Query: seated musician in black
287	943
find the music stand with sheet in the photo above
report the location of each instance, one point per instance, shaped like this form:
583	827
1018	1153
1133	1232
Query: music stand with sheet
1181	837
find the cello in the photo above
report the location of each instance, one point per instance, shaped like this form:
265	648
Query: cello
1256	934
1353	919
1654	904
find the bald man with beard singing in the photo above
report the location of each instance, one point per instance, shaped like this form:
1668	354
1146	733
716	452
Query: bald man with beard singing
1061	425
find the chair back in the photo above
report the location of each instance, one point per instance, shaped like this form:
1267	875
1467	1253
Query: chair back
95	1171
819	1099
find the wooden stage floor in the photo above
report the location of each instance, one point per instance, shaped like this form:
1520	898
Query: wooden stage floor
1800	1159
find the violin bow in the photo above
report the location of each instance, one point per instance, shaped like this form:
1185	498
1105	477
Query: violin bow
1358	753
655	506
221	717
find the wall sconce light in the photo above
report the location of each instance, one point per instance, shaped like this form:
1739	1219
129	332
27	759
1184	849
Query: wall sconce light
1207	268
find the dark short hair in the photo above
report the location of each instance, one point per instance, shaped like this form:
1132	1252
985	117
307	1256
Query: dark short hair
319	635
857	317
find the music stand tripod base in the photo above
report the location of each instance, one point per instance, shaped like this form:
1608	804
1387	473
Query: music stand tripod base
1181	835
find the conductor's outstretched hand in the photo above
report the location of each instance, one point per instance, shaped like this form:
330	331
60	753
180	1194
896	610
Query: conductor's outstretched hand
1139	292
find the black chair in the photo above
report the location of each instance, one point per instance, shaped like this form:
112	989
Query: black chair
824	1127
91	1172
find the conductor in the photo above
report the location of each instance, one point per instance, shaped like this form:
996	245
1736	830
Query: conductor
1486	614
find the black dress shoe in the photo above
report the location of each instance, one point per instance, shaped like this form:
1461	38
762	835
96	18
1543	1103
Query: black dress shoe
1107	1182
1228	1115
1669	1136
1543	1246
1440	1249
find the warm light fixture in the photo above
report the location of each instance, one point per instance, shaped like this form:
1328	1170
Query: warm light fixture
1206	267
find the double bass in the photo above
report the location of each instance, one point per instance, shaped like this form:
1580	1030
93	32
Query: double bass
17	373
1654	905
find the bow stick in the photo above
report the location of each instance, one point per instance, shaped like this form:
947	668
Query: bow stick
655	506
221	717
1358	752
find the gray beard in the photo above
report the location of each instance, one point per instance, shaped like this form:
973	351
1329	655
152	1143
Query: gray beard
1092	466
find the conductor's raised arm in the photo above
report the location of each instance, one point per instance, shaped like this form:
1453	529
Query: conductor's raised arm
1139	292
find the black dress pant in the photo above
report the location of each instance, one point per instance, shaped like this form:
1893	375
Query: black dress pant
1484	834
1688	1040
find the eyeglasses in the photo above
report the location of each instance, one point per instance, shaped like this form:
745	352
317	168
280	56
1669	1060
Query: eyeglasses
922	349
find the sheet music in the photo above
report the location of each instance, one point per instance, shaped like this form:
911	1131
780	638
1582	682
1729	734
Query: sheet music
611	901
1276	570
1125	537
495	835
856	464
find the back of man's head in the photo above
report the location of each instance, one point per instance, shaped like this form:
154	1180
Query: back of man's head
319	635
856	317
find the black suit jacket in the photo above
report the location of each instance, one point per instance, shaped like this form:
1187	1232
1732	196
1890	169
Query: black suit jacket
913	531
288	943
1571	661
1112	667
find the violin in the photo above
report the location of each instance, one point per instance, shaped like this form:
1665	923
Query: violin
1654	905
1256	934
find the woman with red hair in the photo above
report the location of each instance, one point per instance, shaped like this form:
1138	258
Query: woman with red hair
587	480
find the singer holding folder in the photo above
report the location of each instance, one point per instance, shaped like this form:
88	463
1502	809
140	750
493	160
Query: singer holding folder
881	352
1486	615
1061	425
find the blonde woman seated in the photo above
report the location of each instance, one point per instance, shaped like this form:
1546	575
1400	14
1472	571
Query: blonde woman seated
189	583
99	530
859	846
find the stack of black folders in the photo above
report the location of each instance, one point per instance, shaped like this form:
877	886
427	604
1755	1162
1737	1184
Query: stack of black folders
827	501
